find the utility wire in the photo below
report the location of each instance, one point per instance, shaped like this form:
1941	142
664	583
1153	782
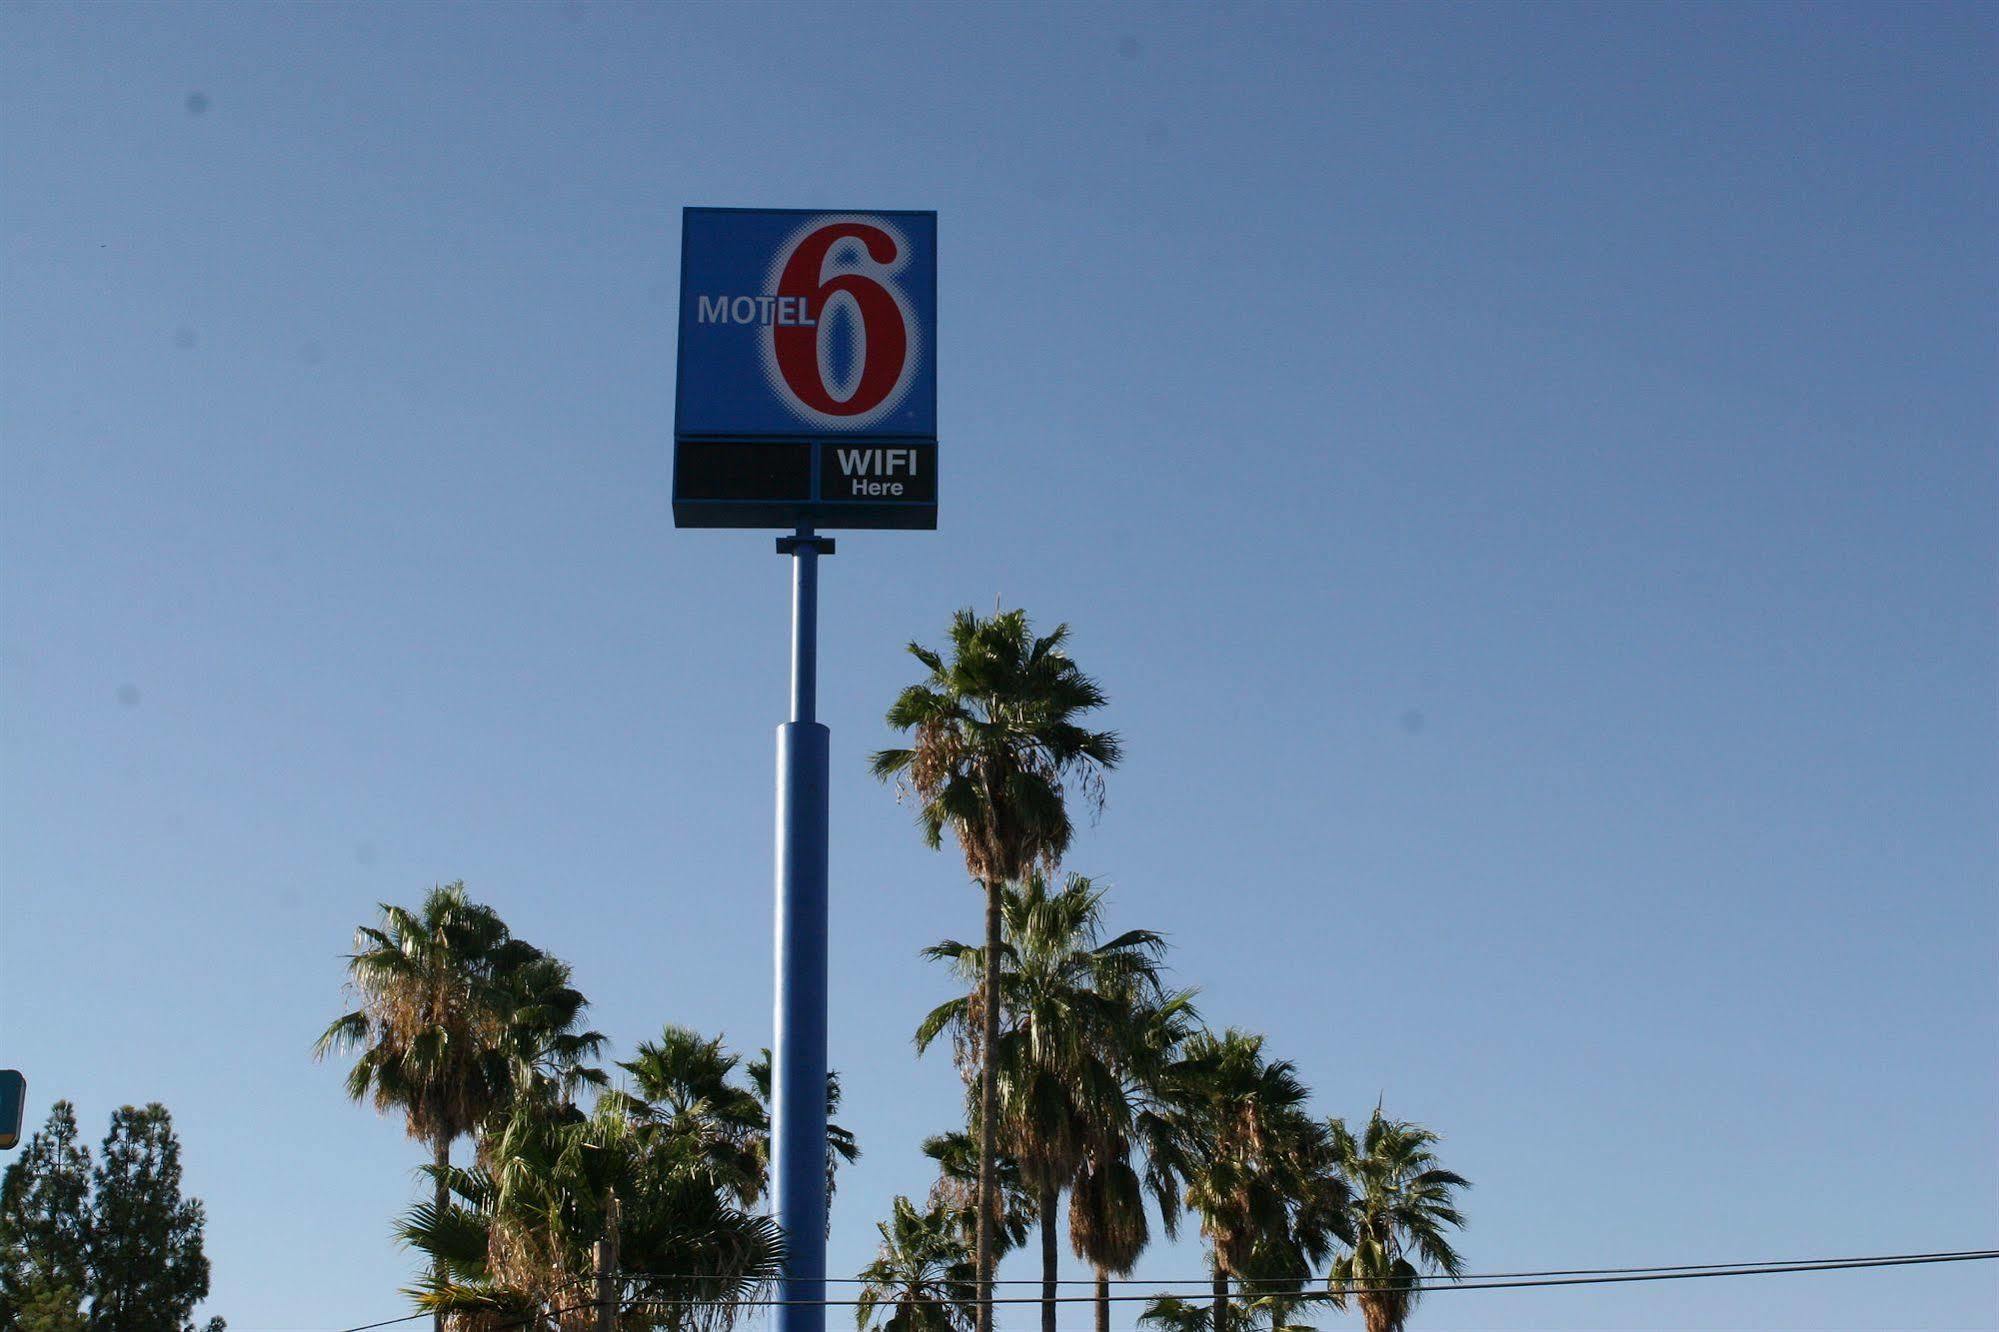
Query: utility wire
500	1327
1309	1278
387	1322
1490	1281
1656	1274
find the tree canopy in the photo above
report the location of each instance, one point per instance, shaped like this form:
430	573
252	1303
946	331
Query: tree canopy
109	1248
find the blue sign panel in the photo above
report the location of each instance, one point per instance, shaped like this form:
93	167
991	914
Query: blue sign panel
807	387
13	1100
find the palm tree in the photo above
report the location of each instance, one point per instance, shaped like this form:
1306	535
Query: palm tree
1262	1313
1067	997
1402	1204
544	1051
956	1190
1107	1223
1273	1296
455	1234
1170	1313
1258	1173
922	1273
1279	1312
514	1237
683	1090
1108	1227
437	988
995	736
841	1145
684	1087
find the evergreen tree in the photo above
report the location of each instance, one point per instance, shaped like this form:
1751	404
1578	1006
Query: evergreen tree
44	1222
45	1307
147	1268
119	1237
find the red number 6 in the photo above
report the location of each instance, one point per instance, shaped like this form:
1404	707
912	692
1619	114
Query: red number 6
885	337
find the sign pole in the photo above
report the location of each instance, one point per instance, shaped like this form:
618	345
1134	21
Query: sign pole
798	1069
805	398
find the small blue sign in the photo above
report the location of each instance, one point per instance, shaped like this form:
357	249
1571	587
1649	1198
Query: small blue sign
13	1101
806	329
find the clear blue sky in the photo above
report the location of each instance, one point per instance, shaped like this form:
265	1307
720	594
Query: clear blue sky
1526	476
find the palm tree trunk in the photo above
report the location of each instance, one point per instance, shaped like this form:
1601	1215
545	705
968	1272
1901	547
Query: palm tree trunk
1103	1301
989	1108
1220	1318
440	1156
1051	1197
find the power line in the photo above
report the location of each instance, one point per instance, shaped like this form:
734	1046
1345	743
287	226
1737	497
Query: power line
1485	1281
1648	1274
1310	1279
426	1313
387	1322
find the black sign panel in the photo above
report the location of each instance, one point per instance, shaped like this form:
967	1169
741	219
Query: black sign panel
824	483
878	473
726	471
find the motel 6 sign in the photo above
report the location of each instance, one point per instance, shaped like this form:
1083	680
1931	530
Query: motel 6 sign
808	370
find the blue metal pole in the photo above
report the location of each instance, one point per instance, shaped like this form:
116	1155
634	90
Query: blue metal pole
798	1074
